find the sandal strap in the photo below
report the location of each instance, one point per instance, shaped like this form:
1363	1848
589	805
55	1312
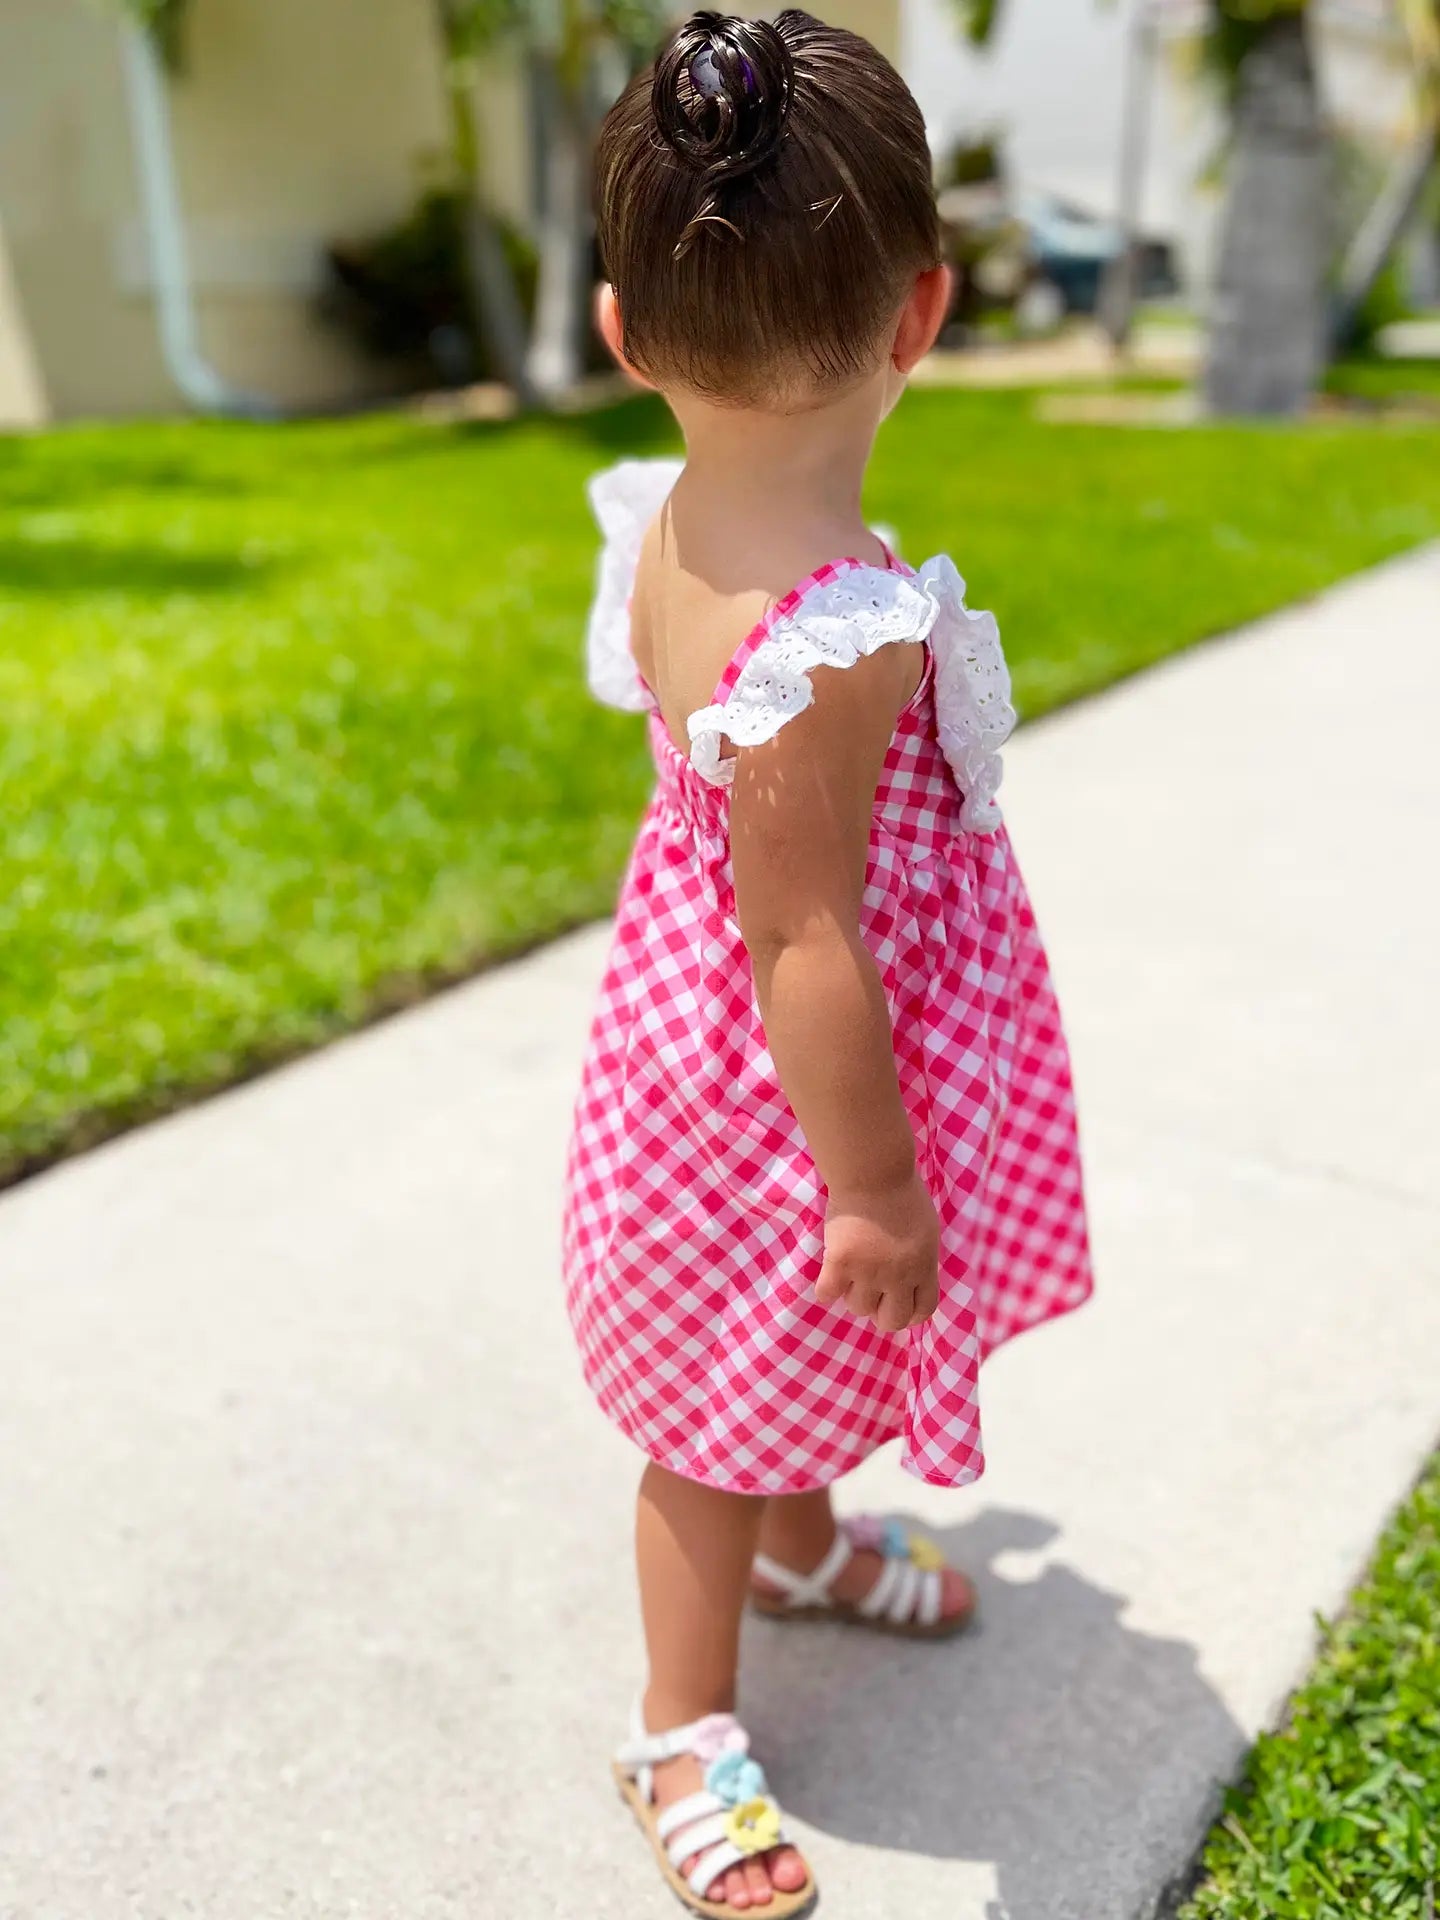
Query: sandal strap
650	1749
644	1749
907	1592
709	1867
904	1592
809	1589
684	1813
698	1838
932	1593
877	1601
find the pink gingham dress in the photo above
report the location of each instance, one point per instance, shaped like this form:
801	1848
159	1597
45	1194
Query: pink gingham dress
694	1215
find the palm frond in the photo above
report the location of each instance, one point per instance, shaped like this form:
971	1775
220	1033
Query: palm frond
979	19
634	25
165	21
1420	21
1235	26
473	27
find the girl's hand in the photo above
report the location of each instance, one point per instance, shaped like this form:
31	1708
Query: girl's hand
882	1251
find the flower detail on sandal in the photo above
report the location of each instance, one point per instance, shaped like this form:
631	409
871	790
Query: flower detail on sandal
925	1554
734	1777
873	1535
893	1541
754	1826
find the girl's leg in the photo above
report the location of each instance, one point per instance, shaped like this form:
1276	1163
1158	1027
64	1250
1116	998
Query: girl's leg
693	1549
798	1530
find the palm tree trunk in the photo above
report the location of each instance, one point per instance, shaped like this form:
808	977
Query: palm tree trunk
553	364
1268	328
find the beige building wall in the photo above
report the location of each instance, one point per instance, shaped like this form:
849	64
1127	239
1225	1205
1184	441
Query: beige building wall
22	398
303	121
296	122
877	20
65	190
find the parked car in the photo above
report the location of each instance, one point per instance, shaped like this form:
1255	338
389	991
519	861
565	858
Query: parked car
1032	256
1072	249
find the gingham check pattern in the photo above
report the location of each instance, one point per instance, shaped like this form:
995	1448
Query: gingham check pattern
694	1217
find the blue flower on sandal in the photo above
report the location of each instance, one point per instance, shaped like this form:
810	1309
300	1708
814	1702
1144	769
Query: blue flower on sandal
895	1541
735	1778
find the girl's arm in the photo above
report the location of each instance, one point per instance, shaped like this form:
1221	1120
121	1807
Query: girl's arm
800	819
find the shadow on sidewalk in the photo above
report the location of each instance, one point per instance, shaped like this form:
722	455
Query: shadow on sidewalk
1079	1757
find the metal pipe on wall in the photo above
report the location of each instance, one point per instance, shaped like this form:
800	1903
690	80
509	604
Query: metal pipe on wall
202	385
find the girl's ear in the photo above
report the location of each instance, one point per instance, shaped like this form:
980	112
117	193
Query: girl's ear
607	325
922	317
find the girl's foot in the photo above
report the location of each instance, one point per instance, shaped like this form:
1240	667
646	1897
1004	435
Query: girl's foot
707	1810
870	1573
756	1881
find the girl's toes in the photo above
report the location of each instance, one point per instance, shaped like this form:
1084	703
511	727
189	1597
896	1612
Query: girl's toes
757	1883
787	1870
733	1889
957	1596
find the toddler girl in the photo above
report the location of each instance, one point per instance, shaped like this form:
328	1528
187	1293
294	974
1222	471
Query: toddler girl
824	1155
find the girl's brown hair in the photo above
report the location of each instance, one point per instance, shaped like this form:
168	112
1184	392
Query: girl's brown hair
764	199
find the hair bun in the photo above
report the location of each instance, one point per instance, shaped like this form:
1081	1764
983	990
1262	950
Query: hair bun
721	94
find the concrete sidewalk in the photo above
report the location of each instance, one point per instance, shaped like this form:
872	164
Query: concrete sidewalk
314	1581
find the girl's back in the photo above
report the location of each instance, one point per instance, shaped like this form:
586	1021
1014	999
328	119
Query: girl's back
714	562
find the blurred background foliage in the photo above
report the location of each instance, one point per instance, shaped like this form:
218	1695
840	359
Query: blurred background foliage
525	320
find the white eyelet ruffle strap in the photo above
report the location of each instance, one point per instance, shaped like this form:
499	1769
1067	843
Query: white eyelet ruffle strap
847	619
974	713
840	622
624	499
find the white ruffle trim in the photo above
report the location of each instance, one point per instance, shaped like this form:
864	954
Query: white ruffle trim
848	619
624	499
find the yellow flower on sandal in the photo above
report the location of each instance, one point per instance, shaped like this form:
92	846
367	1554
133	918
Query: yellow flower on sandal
925	1554
754	1826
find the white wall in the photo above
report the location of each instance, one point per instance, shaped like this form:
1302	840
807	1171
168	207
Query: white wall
1052	82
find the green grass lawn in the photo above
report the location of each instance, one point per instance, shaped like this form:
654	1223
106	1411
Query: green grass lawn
1338	1817
294	722
1369	378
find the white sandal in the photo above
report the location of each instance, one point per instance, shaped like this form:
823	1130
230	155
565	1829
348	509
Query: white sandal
727	1822
906	1598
